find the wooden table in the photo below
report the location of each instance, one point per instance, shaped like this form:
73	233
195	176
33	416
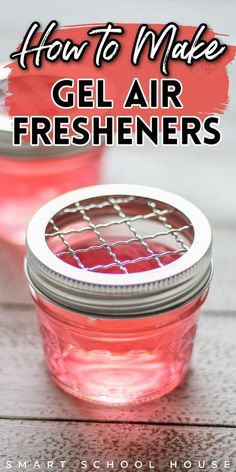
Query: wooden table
198	420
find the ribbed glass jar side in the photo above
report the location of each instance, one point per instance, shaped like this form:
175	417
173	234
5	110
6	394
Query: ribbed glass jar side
117	360
26	184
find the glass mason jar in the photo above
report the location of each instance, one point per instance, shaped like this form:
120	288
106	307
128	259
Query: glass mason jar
30	176
118	274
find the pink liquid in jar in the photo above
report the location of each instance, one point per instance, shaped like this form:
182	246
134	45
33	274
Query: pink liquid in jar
26	184
117	361
32	175
117	354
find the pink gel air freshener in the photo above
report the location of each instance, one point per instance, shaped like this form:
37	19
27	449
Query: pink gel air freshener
32	175
118	274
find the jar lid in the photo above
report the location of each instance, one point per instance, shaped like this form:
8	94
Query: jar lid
25	151
119	250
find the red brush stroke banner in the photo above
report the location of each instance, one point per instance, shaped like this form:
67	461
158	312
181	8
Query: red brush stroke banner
205	84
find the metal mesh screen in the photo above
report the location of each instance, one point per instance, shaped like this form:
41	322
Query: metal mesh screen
119	234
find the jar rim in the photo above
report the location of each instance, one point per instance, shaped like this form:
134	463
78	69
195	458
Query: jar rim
201	296
26	151
158	289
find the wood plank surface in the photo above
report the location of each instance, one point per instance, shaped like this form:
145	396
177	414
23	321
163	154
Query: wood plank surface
153	445
197	422
208	396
